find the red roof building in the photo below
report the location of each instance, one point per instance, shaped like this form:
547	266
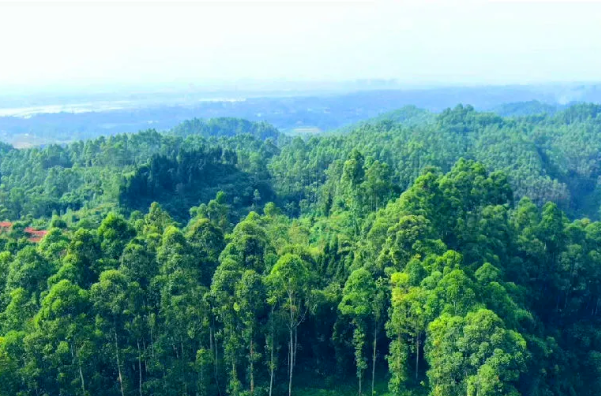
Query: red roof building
35	235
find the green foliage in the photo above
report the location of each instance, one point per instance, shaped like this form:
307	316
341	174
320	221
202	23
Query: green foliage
368	263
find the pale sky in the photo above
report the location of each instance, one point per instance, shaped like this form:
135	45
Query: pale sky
449	42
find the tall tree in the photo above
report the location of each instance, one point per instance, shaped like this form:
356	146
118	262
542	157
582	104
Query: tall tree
289	284
357	303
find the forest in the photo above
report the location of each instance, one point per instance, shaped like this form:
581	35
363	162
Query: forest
413	254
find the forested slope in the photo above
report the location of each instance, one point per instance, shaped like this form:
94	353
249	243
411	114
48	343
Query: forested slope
546	157
424	259
136	169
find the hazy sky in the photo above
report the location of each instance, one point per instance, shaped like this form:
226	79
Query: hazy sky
77	45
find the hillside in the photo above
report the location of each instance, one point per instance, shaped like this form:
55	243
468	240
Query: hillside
547	157
416	254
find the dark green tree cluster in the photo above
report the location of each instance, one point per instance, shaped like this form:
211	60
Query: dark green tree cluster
191	177
136	169
226	127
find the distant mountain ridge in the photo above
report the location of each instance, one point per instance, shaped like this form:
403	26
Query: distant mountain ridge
311	113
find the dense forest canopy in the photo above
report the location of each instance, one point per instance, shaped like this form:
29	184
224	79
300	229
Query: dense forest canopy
413	254
547	157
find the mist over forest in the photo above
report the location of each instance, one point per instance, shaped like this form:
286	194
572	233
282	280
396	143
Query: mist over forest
300	198
300	109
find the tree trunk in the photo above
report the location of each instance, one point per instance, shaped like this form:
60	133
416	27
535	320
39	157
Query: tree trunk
416	356
216	361
139	369
235	379
399	362
295	345
83	384
272	353
290	359
201	390
183	359
252	375
152	342
271	369
119	364
373	359
145	348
